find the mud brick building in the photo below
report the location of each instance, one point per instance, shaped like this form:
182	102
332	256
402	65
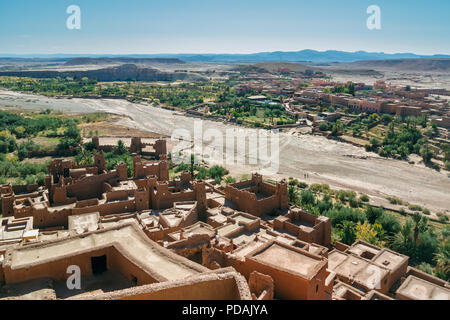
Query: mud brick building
257	197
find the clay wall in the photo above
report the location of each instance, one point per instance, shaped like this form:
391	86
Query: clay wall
90	187
118	261
56	270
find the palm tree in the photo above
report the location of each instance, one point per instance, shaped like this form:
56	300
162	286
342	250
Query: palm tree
442	256
293	194
442	259
192	165
85	158
121	148
405	232
420	225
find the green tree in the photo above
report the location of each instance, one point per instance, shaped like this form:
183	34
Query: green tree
191	169
373	214
323	126
307	197
426	153
347	232
351	88
420	225
293	194
120	149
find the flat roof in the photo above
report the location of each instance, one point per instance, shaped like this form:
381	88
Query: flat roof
84	222
360	247
245	218
290	258
141	249
356	268
419	289
125	185
228	229
197	228
390	259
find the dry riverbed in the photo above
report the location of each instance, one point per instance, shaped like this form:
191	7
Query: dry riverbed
338	164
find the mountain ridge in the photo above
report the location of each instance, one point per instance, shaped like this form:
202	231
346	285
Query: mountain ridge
307	55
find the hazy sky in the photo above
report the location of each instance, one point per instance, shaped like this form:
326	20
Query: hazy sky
223	26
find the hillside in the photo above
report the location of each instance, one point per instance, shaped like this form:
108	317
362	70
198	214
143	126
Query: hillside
430	65
275	67
126	72
293	67
122	60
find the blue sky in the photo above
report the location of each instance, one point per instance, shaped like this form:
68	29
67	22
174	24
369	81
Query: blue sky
222	26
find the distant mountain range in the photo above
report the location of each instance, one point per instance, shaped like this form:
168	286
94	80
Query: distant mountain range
295	56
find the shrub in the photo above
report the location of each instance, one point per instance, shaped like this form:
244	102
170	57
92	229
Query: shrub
316	188
393	200
425	267
414	207
217	172
426	247
302	185
354	203
373	214
389	223
89	146
202	173
324	206
364	198
323	126
307	197
340	214
40	178
442	217
30	179
229	180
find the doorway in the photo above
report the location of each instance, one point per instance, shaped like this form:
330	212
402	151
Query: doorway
98	265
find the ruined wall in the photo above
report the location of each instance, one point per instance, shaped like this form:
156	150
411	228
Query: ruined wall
162	198
287	286
246	199
159	169
108	208
90	187
261	286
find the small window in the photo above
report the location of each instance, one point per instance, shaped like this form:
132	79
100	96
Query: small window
317	288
